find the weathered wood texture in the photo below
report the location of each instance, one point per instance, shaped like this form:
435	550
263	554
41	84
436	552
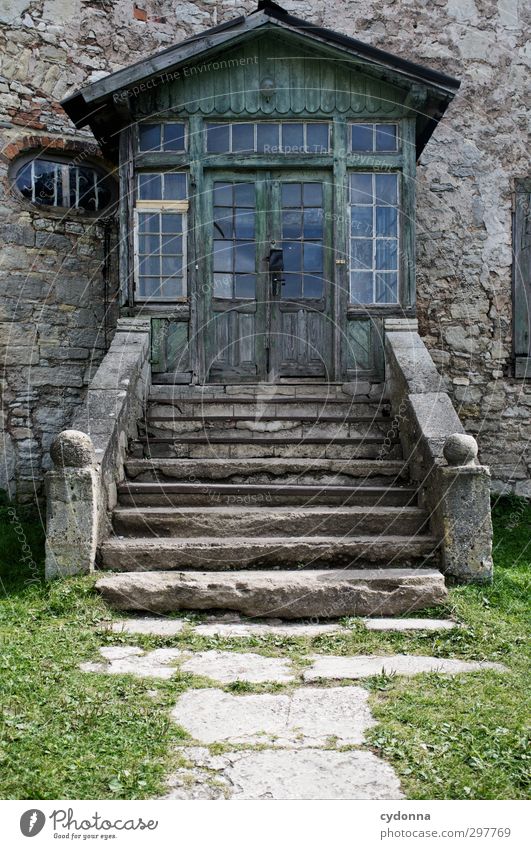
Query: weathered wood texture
229	84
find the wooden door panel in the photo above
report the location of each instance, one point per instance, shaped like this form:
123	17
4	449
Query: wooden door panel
233	350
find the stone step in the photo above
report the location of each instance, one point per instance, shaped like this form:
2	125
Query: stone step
248	429
165	494
264	521
285	595
289	388
345	450
260	470
278	407
134	554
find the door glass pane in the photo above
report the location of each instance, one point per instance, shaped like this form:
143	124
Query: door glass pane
218	138
171	222
149	222
387	288
223	285
150	186
172	244
242	137
361	188
313	256
148	287
244	223
149	265
317	140
361	287
292	225
361	253
171	265
148	244
245	286
244	256
291	194
244	194
313	286
292	138
222	255
386	137
267	138
234	246
313	224
292	256
223	194
386	189
361	223
362	137
173	137
386	221
172	287
292	286
174	186
222	222
312	194
149	137
386	254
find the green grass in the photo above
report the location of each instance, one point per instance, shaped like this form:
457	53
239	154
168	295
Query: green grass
67	734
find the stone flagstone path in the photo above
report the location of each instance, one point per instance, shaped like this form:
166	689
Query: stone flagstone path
308	736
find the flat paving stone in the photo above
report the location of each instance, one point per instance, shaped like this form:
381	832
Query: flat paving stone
284	774
305	717
241	628
131	660
364	666
151	626
410	624
227	666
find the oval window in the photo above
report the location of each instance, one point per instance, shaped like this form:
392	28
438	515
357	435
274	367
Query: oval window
64	185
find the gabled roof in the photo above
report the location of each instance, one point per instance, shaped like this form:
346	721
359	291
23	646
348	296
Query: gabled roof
99	106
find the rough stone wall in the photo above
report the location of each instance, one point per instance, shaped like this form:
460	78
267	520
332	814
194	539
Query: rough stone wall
51	268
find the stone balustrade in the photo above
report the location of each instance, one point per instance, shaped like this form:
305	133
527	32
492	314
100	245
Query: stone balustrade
453	486
88	458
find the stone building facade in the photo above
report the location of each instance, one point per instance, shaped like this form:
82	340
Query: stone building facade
58	273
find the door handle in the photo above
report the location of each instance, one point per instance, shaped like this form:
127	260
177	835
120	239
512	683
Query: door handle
276	267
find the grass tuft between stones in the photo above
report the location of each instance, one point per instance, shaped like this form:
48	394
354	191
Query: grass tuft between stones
68	734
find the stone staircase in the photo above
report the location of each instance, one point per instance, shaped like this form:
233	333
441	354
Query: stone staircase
290	500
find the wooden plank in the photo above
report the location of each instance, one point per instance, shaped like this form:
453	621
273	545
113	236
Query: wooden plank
341	230
407	219
125	253
522	367
328	86
359	347
172	377
522	280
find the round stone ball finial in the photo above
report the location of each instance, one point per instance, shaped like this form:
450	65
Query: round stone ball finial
72	449
460	449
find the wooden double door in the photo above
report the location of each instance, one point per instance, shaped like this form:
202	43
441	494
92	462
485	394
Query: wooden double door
269	261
